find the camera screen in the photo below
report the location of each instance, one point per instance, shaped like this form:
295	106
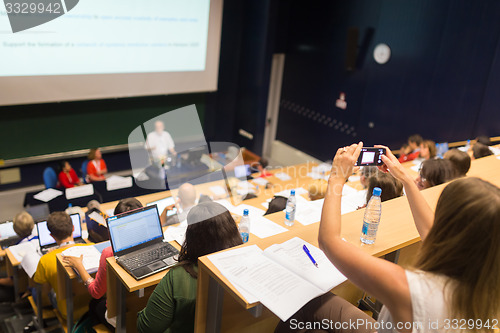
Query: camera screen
370	156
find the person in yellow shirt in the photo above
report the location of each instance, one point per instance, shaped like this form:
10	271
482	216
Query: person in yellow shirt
61	229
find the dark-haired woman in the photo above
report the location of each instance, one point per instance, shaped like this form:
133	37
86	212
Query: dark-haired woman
435	172
67	176
171	306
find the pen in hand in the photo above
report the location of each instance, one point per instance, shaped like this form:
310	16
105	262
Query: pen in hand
306	250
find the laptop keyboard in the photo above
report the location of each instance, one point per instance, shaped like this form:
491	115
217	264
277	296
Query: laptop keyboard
145	258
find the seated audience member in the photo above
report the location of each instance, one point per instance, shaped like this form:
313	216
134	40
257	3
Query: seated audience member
428	150
171	307
97	287
67	176
454	276
261	167
61	229
96	168
479	150
460	159
317	189
413	150
485	140
390	186
23	225
435	172
186	199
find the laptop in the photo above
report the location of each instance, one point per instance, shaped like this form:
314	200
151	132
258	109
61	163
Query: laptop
243	171
46	241
163	203
137	241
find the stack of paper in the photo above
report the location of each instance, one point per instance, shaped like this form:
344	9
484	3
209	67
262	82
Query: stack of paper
79	191
91	256
117	182
282	277
47	195
307	213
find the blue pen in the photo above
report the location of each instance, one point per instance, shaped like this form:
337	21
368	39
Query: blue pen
306	250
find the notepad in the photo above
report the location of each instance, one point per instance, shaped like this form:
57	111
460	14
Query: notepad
47	195
282	277
91	256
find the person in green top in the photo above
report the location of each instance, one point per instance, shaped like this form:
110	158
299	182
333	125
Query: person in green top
171	307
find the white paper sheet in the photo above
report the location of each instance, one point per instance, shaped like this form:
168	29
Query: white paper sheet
79	191
47	195
259	278
263	227
229	206
306	213
7	230
291	255
91	256
20	250
116	183
282	176
30	263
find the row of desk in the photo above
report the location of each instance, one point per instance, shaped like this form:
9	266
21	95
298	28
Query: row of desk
220	307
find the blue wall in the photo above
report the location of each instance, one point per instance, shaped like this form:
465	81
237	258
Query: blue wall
442	80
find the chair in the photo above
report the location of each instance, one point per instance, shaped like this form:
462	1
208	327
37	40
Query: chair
84	170
49	177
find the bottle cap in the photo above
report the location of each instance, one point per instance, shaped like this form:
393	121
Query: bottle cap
70	205
245	212
292	192
377	191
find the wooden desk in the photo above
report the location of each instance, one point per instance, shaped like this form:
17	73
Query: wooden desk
12	266
396	231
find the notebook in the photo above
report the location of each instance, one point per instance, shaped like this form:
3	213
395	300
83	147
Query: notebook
47	242
137	241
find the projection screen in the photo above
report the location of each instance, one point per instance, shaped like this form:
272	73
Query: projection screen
100	49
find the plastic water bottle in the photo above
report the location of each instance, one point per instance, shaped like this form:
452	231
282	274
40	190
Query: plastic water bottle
467	145
372	217
244	226
291	207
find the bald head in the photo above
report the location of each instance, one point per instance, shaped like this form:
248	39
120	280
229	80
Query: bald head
187	195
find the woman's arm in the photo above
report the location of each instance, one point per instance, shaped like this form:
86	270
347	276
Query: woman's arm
384	280
77	263
158	314
422	213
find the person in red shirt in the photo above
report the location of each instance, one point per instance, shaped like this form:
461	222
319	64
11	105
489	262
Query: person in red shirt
68	177
96	169
412	151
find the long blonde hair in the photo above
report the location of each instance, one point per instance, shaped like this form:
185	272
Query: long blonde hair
464	245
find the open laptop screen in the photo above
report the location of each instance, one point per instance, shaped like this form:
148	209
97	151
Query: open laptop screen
44	234
242	171
163	203
134	228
